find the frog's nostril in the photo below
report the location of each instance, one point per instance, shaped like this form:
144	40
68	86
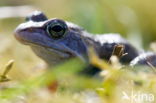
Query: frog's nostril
36	16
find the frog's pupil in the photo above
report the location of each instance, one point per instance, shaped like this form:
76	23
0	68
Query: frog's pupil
57	28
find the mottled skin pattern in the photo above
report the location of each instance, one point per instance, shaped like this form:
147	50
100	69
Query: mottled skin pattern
74	43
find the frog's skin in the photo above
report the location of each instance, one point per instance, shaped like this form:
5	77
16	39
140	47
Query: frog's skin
69	40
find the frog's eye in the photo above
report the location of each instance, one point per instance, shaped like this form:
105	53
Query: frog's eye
57	29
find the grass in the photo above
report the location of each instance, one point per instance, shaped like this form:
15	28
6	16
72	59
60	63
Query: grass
72	87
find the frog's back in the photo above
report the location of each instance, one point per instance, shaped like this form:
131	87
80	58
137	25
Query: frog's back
109	41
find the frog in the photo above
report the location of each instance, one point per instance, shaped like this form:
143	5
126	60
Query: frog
56	41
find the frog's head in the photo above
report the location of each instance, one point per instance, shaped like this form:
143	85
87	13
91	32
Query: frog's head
53	40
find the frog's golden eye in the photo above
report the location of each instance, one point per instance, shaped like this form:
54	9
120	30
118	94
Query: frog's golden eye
56	29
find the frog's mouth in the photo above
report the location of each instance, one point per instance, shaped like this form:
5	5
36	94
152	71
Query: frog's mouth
53	48
33	39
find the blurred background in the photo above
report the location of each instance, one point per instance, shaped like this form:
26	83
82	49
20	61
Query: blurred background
133	19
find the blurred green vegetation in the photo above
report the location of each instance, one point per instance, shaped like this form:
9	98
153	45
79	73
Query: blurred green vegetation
128	17
133	19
